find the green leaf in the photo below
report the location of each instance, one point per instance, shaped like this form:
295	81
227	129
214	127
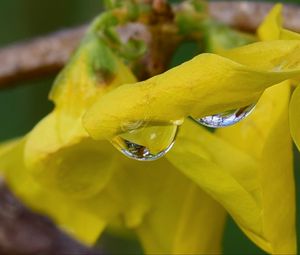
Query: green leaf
219	37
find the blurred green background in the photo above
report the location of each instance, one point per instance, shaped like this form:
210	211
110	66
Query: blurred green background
22	106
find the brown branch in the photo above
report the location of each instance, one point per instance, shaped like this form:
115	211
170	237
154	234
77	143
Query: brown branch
41	56
247	15
23	232
47	55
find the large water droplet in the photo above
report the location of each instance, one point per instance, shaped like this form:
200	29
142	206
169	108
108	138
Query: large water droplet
144	143
227	118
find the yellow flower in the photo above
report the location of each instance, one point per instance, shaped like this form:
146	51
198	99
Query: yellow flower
66	168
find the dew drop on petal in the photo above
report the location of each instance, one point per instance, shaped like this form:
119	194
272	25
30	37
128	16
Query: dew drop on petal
145	143
227	118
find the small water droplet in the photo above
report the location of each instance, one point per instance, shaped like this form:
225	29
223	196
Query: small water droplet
146	143
226	119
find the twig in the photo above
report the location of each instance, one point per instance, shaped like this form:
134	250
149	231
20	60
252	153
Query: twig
247	16
41	56
23	232
47	55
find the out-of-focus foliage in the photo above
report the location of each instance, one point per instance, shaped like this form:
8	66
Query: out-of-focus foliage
142	195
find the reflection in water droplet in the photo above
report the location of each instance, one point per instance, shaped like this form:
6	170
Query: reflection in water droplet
226	118
146	143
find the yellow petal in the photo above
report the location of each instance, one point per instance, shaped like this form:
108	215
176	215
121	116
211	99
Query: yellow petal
130	192
270	29
202	219
169	213
273	22
60	156
79	168
202	86
295	116
227	174
289	35
72	218
92	71
264	136
59	152
7	146
183	220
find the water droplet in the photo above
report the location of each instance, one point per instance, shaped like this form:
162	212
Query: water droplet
145	143
226	119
